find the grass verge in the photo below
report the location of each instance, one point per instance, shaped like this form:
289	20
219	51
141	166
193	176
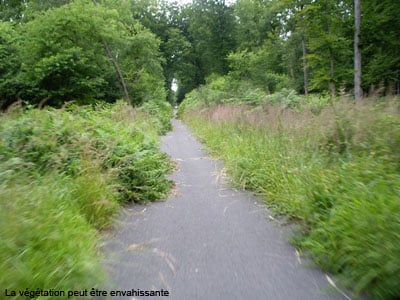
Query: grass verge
335	170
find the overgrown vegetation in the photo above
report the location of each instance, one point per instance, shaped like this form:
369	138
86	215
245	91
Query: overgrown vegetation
64	173
332	166
228	89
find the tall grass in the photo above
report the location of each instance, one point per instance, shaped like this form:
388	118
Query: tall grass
45	241
63	175
335	170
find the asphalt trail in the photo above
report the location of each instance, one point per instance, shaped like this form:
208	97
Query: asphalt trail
207	241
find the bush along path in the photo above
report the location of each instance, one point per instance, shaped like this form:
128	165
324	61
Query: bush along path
207	241
64	173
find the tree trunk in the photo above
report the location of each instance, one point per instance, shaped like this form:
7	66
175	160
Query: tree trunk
117	70
357	51
116	67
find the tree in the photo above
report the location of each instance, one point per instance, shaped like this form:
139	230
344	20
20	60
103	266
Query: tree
63	57
12	10
211	27
329	45
115	63
380	31
9	64
295	29
357	50
263	67
141	63
255	20
195	39
164	19
39	6
178	51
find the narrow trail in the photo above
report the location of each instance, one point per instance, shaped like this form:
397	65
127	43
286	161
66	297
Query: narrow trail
207	241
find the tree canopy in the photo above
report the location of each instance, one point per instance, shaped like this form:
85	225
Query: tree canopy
54	51
57	54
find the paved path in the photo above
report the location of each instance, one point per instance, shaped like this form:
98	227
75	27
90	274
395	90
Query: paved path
208	241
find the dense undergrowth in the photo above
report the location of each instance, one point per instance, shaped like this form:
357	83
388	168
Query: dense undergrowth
63	175
333	166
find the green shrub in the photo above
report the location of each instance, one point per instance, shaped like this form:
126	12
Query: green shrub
161	112
316	103
222	90
63	176
289	98
141	176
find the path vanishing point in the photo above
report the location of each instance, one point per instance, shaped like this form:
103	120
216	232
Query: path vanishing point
207	241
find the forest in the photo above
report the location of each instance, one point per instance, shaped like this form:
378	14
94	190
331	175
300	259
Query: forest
57	51
298	98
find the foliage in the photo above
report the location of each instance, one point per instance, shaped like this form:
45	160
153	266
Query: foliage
222	89
225	89
142	65
64	54
9	64
166	20
195	39
335	172
257	20
380	45
330	44
61	252
11	10
211	26
262	67
64	174
275	42
287	97
161	113
301	45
